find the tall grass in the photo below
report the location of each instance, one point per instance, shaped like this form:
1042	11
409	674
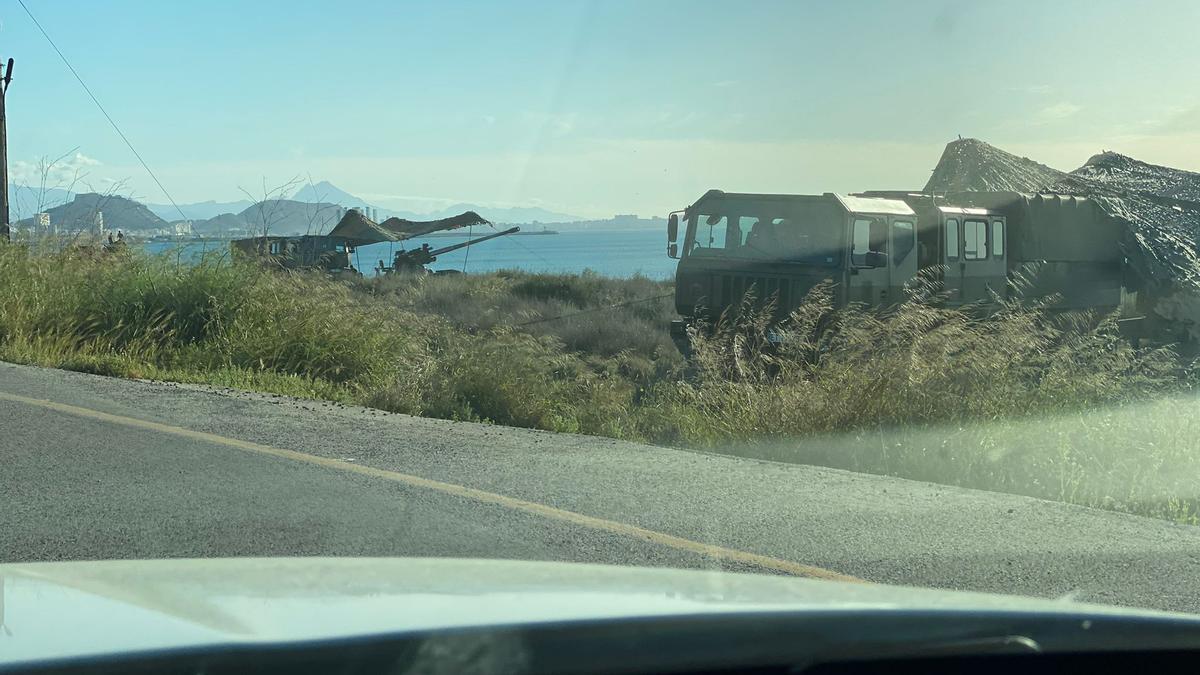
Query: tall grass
1027	401
575	310
1024	401
912	364
151	315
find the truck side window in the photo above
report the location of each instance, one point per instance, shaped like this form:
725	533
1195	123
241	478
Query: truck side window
744	225
758	235
952	239
879	235
997	238
870	234
903	240
711	232
974	240
861	242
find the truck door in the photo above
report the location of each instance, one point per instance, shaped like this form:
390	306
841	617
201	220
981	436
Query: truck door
952	259
982	264
902	257
870	272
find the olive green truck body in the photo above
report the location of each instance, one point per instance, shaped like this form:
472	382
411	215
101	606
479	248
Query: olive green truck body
871	246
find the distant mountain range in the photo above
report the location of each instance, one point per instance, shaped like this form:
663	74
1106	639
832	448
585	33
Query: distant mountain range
198	210
312	209
27	200
224	215
80	215
274	217
326	192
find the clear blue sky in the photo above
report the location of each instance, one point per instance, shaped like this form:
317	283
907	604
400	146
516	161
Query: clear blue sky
592	107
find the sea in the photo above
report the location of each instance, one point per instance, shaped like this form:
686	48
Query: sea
613	253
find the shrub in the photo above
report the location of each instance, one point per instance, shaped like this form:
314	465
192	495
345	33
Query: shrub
1024	400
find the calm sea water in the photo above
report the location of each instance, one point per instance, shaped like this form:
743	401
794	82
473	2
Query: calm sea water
614	254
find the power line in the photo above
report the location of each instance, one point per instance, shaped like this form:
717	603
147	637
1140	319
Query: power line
102	110
467	250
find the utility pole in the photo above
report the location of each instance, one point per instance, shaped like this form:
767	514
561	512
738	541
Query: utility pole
4	227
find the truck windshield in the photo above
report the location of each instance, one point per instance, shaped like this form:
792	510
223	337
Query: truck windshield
810	234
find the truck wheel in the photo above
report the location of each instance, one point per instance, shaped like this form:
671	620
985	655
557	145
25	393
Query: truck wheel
679	335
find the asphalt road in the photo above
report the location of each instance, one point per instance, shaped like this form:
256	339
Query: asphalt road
98	468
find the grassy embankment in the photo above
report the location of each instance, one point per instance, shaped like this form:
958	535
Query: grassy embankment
1016	404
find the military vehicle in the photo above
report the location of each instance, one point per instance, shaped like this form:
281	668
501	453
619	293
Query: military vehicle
309	252
870	246
414	260
334	252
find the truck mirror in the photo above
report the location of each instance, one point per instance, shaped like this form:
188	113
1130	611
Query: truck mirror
875	259
672	228
672	250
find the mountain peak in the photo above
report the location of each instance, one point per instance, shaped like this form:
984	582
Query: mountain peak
326	192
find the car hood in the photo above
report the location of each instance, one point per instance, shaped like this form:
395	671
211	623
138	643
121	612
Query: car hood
59	610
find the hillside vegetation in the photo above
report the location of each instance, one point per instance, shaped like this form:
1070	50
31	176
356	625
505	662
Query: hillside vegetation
1026	402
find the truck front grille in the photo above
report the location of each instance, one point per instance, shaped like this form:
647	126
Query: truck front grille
734	287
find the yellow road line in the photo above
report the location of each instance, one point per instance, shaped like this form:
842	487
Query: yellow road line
719	553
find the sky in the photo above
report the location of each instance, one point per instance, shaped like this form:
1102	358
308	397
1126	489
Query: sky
591	108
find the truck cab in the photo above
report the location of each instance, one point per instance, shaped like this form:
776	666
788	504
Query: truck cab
320	252
777	247
768	248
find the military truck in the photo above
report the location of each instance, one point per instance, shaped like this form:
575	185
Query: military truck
871	245
331	254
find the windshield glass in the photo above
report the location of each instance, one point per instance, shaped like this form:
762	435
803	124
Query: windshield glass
904	293
795	233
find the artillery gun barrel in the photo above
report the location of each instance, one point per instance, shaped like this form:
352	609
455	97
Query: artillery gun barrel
463	244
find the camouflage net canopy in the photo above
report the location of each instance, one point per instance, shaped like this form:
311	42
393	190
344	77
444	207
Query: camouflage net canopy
1159	206
970	165
361	230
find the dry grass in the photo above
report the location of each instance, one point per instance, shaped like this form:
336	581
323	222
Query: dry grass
1024	401
1029	402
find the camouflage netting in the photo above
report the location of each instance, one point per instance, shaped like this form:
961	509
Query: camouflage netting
1159	205
970	165
1127	173
362	230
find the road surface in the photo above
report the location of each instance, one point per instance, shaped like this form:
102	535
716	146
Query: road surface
96	468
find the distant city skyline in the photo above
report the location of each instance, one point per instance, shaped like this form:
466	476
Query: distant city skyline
589	108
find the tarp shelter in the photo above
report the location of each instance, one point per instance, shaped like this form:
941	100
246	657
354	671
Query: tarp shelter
360	230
